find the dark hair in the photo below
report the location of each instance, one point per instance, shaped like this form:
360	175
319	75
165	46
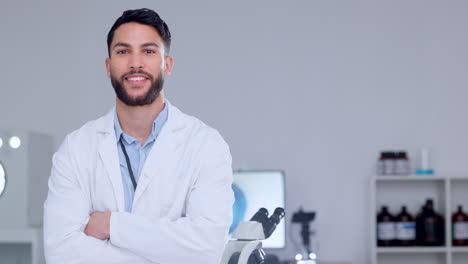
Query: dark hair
143	16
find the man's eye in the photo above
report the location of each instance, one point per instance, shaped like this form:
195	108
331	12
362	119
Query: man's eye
149	51
122	52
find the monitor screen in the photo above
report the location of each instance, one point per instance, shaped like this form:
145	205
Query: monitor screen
254	190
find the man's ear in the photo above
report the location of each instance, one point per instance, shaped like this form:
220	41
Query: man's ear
168	64
108	66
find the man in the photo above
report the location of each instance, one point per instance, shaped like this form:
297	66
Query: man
145	183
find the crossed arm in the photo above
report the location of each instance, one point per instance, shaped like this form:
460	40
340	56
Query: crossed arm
73	233
99	225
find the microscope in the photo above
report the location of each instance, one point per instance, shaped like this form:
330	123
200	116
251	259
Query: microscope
306	255
246	245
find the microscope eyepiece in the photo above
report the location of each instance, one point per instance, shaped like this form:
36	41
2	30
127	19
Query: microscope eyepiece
268	224
260	216
278	214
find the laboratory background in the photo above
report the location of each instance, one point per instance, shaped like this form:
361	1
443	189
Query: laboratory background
356	110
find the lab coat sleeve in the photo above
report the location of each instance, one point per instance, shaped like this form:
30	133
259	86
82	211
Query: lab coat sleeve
200	235
66	214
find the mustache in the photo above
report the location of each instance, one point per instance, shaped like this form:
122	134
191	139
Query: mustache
149	76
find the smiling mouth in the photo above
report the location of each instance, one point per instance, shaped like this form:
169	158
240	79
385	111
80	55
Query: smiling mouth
136	80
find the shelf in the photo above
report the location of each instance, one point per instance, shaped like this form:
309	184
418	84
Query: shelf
19	236
411	249
410	178
21	246
394	191
417	178
459	249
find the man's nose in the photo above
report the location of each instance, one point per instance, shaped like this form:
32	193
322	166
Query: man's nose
136	62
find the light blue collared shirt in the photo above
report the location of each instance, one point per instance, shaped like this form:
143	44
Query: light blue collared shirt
137	154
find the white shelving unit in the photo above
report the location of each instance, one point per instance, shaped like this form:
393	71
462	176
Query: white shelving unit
412	191
22	246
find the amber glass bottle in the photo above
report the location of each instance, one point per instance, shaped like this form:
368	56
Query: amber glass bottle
405	229
429	226
460	228
385	228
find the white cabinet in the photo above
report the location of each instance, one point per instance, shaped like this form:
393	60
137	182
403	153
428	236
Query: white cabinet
412	191
21	246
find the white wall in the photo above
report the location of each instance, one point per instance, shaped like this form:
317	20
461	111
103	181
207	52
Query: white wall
316	88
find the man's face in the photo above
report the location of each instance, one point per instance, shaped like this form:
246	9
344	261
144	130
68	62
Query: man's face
137	64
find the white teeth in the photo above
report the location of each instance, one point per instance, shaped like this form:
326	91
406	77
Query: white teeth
136	79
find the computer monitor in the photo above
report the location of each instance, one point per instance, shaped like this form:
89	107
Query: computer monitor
254	190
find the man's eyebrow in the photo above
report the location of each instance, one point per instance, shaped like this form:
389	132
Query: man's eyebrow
121	44
126	45
149	44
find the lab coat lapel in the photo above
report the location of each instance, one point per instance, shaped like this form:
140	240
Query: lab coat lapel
110	158
163	156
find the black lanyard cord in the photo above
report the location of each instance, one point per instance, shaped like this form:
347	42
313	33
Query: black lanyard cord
129	166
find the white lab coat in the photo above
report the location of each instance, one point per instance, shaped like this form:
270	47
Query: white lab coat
182	207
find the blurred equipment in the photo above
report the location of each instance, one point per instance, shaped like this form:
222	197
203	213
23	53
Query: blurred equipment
2	179
306	254
259	189
424	165
25	162
246	248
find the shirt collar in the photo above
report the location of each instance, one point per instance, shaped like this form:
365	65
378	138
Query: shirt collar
158	123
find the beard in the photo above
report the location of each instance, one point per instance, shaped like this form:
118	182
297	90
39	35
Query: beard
146	99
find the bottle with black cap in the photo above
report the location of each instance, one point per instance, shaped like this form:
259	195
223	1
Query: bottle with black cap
389	163
385	228
405	228
402	163
460	228
381	163
429	226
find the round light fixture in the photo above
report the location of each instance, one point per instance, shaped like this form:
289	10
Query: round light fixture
1	142
2	179
313	256
15	142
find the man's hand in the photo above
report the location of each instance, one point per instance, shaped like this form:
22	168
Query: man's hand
99	225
